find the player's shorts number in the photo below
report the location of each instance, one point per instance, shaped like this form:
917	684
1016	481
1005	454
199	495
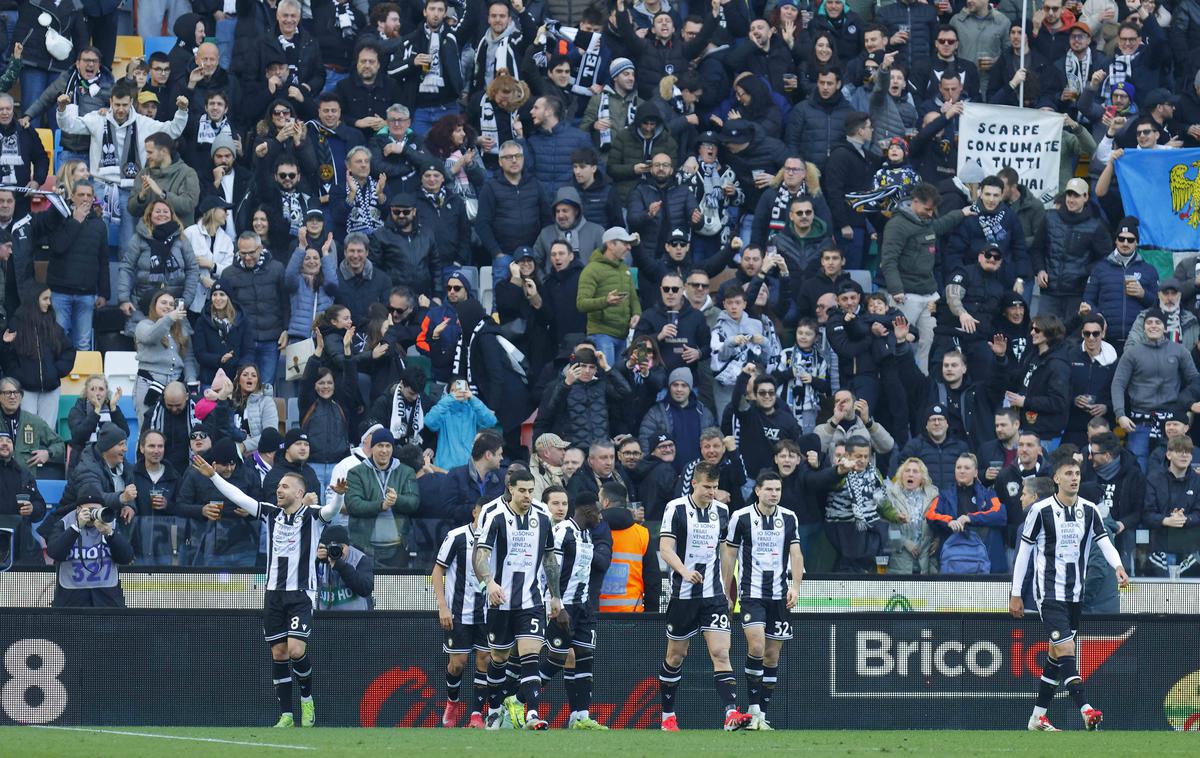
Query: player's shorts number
719	621
295	623
535	625
783	628
34	665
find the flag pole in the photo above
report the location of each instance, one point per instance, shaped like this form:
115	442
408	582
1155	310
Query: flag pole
1024	37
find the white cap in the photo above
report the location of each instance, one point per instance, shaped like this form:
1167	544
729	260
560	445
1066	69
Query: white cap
619	234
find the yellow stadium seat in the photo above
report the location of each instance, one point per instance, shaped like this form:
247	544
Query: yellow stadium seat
87	362
129	47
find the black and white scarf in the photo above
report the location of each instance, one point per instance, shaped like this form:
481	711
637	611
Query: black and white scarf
863	486
433	82
158	413
604	111
10	156
498	54
292	205
1119	71
463	365
587	74
77	86
207	131
779	209
1077	69
328	168
991	224
364	211
124	167
492	124
292	56
408	419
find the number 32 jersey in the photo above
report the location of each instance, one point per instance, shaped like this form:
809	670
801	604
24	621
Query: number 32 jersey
518	544
698	534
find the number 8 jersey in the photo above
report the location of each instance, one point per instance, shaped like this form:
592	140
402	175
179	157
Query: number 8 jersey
698	534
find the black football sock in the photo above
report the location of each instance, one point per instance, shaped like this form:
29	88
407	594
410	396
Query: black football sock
1072	680
668	682
1048	684
531	682
479	691
496	680
770	677
726	684
453	686
281	677
302	670
754	678
583	679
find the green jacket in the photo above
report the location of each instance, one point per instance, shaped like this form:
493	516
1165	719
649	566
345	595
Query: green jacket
364	501
599	277
180	186
910	251
33	433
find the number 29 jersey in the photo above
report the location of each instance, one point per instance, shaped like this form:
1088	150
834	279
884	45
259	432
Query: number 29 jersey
698	534
518	544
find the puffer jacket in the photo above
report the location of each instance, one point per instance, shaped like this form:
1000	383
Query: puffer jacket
457	422
939	458
909	253
581	411
985	510
655	59
1184	33
511	215
258	413
815	124
308	303
1067	246
1105	292
551	153
211	341
411	258
601	276
658	419
138	280
261	289
922	22
764	153
42	372
358	291
600	202
678	204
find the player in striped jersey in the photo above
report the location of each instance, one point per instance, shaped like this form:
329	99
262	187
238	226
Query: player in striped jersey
1059	533
763	539
693	529
514	709
572	646
514	540
293	534
463	618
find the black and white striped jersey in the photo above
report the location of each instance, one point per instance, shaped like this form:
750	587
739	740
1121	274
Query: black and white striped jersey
468	603
518	545
500	502
698	534
292	542
764	546
1061	537
575	546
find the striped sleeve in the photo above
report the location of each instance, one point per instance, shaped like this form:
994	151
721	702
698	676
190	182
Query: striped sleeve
674	519
731	533
450	546
1033	525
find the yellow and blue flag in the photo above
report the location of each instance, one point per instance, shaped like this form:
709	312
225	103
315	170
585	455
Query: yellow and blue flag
1162	189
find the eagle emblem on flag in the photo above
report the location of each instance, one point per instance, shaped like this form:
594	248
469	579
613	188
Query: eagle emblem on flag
1185	193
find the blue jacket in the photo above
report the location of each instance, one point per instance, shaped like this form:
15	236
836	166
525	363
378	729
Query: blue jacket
467	490
985	509
1105	292
550	155
307	303
441	350
456	424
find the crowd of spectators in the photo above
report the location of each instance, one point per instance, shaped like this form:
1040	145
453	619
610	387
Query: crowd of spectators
726	231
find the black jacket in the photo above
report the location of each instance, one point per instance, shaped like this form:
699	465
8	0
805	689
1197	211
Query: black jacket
83	421
262	291
1044	380
846	170
558	310
758	431
14	481
1124	494
1088	377
1066	247
90	476
511	216
410	258
600	202
360	100
284	466
691	331
40	372
211	341
79	257
1165	493
447	218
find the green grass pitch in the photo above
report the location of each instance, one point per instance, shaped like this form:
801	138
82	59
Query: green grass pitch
155	742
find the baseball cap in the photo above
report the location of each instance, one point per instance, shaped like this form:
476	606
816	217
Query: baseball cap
737	132
1160	96
550	439
1077	186
147	97
619	234
1170	283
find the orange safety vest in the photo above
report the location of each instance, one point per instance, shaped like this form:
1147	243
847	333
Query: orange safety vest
623	589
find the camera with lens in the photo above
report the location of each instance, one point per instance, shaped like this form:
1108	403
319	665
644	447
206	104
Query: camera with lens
102	513
335	551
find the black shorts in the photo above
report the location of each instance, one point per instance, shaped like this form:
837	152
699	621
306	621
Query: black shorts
288	613
504	628
582	634
464	638
773	614
1060	619
706	614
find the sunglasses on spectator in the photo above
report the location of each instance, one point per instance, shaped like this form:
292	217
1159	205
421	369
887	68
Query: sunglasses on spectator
993	256
1092	333
698	285
1035	330
198	435
454	288
396	310
1126	238
1145	132
401	211
281	112
765	393
671	289
802	213
677	243
947	41
286	175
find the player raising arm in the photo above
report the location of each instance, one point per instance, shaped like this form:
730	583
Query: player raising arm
1059	533
293	533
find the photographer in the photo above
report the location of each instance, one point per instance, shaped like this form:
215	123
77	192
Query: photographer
87	548
345	574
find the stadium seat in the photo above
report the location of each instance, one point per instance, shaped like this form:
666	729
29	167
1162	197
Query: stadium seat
128	48
87	362
65	404
281	410
151	45
293	413
863	277
422	362
120	366
52	490
126	405
485	288
47	138
134	431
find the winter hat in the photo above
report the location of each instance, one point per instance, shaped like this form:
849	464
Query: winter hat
936	410
898	142
270	440
681	374
1128	225
381	436
335	535
617	66
222	140
224	452
661	438
109	436
1154	313
293	436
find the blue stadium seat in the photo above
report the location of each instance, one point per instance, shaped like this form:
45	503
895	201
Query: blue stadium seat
52	490
157	45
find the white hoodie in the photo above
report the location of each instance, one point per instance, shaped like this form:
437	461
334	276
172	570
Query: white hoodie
93	124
